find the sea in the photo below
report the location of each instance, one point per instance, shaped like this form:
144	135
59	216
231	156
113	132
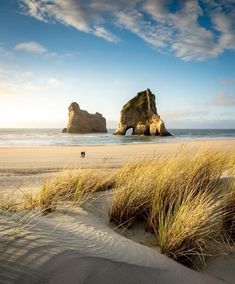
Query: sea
53	137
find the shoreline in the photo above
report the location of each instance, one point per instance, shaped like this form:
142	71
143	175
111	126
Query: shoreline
60	157
164	140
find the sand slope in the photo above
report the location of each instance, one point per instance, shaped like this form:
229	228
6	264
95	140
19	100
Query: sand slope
71	267
81	247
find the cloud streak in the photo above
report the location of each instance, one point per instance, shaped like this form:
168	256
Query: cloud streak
31	47
35	48
177	29
71	13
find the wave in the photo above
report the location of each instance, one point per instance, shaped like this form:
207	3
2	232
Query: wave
54	137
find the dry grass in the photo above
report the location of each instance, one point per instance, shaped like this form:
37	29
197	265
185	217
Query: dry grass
134	186
71	186
180	199
188	227
74	187
7	203
138	183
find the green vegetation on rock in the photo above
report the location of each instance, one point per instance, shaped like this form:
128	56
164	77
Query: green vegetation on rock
137	101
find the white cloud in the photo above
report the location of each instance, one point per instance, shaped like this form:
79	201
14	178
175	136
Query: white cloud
31	47
33	9
102	32
188	39
225	24
73	13
179	31
135	22
35	48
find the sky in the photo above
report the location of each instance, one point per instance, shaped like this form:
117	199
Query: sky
100	53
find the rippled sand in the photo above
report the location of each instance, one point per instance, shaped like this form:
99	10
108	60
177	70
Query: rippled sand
77	246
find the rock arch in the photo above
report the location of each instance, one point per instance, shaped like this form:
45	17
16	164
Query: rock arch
140	113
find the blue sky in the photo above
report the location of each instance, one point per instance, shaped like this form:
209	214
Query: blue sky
100	53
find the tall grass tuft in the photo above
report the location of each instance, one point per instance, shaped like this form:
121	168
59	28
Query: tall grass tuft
134	187
72	186
188	227
180	200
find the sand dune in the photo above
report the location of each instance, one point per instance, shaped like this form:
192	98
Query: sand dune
80	246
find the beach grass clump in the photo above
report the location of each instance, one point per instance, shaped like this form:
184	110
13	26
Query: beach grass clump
134	185
138	183
70	186
57	189
180	200
186	176
189	227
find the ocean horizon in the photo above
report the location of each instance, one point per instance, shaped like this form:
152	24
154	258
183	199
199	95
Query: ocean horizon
23	137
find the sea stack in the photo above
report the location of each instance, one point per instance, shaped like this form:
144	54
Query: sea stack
140	114
81	121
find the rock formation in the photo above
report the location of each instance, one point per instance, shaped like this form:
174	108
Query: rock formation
141	115
80	121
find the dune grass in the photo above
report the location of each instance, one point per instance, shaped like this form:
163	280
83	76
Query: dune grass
180	199
134	187
7	203
188	227
73	187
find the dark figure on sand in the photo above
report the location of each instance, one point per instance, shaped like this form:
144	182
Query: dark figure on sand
83	154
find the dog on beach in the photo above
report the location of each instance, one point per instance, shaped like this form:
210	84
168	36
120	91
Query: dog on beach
83	154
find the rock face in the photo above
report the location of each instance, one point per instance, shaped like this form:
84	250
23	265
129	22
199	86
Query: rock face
80	121
141	115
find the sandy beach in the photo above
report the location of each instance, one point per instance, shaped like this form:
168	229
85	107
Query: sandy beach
36	159
78	245
26	167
